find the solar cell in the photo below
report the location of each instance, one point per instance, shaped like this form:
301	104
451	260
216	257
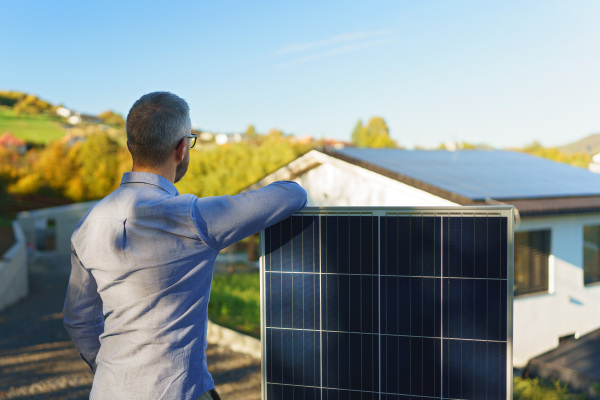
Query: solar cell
481	174
388	304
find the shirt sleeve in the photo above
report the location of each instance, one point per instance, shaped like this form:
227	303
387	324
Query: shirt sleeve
225	220
82	311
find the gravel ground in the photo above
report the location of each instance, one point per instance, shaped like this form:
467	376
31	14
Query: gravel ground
38	361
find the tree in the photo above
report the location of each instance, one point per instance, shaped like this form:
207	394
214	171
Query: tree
356	132
251	131
275	133
555	154
376	134
230	168
87	170
99	163
48	172
31	104
112	118
8	98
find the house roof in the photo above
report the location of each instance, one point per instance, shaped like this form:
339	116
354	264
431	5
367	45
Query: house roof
8	139
534	185
481	174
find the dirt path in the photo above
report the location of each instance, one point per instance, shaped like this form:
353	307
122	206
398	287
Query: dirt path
38	361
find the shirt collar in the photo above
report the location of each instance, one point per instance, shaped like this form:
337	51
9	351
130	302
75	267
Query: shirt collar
151	179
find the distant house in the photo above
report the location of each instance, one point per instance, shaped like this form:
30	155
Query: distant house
594	166
90	119
205	137
10	142
556	242
74	119
63	112
223	138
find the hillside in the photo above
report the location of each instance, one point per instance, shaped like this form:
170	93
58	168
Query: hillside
589	145
35	128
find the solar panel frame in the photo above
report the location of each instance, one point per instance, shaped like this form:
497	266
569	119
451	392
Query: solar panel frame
377	212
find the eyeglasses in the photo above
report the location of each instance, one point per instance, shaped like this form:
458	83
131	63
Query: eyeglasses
193	136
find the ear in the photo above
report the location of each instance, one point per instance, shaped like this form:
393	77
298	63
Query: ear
180	151
133	162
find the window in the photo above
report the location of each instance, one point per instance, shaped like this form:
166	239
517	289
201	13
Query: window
591	254
531	261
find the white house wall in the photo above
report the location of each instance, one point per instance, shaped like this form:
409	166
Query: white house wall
338	183
569	307
14	280
65	219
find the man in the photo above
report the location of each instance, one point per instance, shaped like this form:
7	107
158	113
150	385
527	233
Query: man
143	259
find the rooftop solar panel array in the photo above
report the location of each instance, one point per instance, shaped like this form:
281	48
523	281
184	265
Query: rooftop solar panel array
481	174
387	304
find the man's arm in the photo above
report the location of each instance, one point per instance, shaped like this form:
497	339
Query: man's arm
82	312
227	219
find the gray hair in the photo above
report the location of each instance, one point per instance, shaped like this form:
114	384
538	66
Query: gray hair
155	123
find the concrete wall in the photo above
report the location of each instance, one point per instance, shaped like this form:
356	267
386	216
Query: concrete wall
53	226
569	307
14	283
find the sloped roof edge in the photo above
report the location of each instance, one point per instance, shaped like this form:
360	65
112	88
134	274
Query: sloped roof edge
454	197
291	171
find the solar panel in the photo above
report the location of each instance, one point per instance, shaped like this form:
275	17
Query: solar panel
479	174
388	304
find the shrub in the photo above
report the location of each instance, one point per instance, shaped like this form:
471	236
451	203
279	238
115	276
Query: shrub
534	389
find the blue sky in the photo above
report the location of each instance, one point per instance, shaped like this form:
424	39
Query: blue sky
503	73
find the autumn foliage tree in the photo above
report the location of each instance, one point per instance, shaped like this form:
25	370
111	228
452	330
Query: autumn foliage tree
23	103
555	154
91	168
84	170
375	134
112	118
230	168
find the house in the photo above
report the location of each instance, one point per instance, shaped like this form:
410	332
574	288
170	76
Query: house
594	166
11	142
223	138
74	119
63	112
557	234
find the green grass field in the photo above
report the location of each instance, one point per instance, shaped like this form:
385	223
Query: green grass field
534	389
39	128
235	302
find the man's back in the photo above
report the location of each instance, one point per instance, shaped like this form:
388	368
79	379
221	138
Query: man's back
143	260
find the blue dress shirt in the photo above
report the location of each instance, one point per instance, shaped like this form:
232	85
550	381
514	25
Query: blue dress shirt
142	265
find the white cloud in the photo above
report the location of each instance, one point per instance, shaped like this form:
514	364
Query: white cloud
339	44
343	38
349	48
